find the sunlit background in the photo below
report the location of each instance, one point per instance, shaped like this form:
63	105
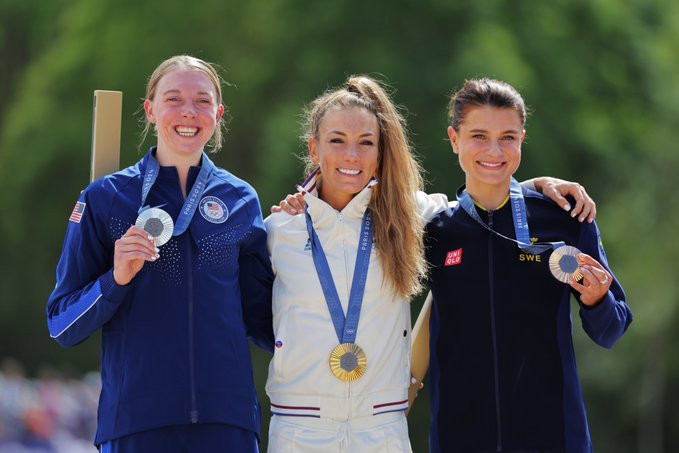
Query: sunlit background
601	78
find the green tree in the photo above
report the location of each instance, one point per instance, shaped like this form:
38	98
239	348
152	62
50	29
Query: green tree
599	76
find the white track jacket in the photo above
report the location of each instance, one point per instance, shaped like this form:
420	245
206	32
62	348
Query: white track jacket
300	381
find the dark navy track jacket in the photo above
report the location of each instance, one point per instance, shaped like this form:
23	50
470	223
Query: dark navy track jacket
174	340
503	376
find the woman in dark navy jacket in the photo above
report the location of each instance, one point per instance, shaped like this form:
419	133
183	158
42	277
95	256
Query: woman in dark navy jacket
177	295
503	373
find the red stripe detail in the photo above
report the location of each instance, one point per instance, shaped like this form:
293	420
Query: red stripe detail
298	407
389	404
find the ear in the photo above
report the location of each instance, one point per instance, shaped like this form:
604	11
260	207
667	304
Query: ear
220	112
148	108
523	136
313	151
453	137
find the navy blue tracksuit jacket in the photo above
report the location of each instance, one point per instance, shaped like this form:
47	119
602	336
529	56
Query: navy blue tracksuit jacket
174	340
503	373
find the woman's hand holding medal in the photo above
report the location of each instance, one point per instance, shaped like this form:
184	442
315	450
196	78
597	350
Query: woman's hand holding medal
595	280
131	251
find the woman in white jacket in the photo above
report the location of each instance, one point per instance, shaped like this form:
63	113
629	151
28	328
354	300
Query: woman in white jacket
339	383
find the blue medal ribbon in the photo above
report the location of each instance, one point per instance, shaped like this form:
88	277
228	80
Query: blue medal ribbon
345	327
521	229
191	202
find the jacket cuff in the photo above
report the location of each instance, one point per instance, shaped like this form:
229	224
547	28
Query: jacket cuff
112	291
602	308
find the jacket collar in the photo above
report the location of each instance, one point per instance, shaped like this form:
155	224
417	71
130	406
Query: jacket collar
324	215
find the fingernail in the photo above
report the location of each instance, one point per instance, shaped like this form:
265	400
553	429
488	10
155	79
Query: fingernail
573	214
567	207
150	237
294	211
157	255
157	250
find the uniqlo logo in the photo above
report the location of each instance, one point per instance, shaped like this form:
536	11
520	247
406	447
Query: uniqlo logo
454	257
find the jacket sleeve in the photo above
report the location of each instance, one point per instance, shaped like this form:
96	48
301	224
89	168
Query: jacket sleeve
85	296
256	282
430	204
607	321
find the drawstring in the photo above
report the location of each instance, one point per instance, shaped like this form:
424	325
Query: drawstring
342	435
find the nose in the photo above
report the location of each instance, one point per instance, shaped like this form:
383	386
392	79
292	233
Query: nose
495	147
189	111
352	153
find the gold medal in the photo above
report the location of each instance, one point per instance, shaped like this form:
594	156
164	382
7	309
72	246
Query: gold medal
348	362
157	223
563	262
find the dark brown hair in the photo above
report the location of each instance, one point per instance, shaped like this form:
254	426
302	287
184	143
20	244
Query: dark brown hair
478	92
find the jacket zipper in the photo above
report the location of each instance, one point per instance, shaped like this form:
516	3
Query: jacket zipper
192	365
340	220
491	290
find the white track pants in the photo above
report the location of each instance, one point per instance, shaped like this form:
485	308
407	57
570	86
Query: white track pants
384	433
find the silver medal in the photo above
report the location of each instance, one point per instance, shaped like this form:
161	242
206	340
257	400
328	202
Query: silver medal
156	223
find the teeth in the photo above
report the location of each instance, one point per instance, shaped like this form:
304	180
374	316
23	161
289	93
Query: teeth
347	171
491	164
186	131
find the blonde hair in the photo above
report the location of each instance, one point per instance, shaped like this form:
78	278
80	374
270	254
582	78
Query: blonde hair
192	63
398	226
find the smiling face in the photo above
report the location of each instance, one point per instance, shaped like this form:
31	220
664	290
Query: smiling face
488	144
185	111
347	150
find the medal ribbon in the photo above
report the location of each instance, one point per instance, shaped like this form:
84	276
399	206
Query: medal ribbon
191	202
345	327
518	215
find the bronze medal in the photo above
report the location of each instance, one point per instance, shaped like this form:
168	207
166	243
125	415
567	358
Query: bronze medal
563	262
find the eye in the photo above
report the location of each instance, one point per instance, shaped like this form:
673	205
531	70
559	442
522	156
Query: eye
367	143
479	136
205	101
336	140
509	138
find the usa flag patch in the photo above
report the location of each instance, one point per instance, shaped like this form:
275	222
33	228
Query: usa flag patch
78	211
454	257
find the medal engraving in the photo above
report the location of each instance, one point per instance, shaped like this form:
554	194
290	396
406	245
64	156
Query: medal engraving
564	265
349	362
154	227
156	223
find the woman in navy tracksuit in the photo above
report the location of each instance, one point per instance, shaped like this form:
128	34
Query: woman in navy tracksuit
175	318
503	373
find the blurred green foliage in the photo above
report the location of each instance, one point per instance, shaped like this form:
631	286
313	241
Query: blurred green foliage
600	77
